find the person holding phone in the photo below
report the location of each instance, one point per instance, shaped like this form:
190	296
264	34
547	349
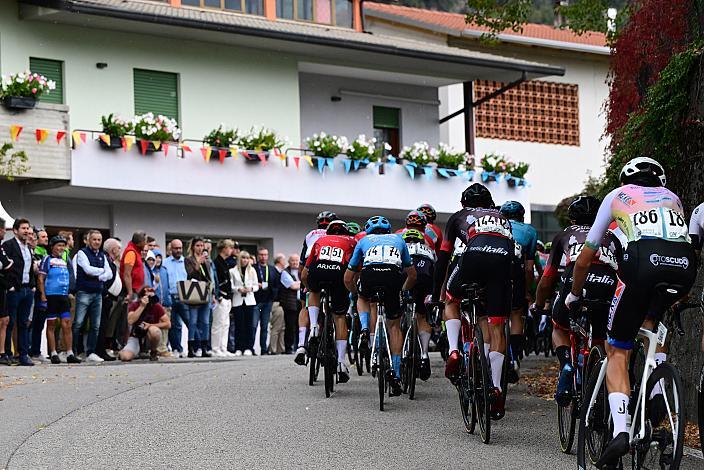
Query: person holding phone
145	317
197	266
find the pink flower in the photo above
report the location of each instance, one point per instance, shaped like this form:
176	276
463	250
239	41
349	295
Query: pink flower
34	90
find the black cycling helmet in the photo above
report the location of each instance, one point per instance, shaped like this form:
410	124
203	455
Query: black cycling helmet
477	195
428	211
324	218
643	171
377	224
416	219
513	210
583	210
57	239
353	228
337	227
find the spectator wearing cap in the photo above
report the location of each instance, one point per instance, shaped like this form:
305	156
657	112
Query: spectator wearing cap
223	293
198	268
276	322
174	267
132	267
113	298
161	289
5	284
92	270
266	278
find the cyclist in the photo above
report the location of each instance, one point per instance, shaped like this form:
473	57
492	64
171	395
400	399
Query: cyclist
659	251
526	238
418	221
382	257
431	229
600	284
328	257
423	256
353	228
482	235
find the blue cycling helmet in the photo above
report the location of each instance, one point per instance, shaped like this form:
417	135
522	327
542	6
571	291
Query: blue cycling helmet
513	210
377	224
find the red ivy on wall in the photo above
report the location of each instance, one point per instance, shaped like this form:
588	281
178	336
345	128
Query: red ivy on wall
656	30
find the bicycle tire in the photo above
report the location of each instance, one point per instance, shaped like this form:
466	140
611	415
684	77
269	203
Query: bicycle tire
700	406
591	442
481	382
464	391
415	361
329	358
566	424
352	347
507	361
313	364
381	374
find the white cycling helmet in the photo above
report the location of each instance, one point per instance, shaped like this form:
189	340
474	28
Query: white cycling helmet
645	166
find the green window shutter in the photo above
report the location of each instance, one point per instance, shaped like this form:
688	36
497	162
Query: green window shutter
52	70
156	92
387	118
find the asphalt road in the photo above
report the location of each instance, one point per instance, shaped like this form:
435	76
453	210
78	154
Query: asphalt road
249	413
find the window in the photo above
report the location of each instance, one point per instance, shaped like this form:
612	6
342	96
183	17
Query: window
387	127
254	7
343	13
534	111
52	70
334	12
284	9
546	224
156	92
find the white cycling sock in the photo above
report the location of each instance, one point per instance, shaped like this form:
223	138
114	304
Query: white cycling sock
313	314
302	335
341	349
486	350
496	359
453	333
69	353
618	402
424	341
660	357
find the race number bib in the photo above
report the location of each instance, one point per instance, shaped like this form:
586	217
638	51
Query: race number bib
575	250
603	255
492	224
331	253
420	249
660	222
383	254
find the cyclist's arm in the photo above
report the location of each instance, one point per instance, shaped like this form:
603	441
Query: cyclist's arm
440	274
349	280
410	278
696	228
549	277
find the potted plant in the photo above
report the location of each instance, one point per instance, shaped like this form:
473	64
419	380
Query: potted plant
365	151
517	170
420	154
258	141
116	128
493	163
152	128
221	139
21	90
453	159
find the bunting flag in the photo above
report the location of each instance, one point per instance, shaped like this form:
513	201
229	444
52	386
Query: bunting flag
391	160
15	132
348	165
445	172
331	163
428	170
78	138
235	154
156	144
105	138
470	175
165	147
245	154
41	135
59	136
411	167
309	159
262	157
127	142
222	153
279	154
185	148
321	164
206	151
144	145
297	162
356	164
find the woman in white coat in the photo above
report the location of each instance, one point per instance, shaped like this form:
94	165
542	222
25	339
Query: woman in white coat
244	285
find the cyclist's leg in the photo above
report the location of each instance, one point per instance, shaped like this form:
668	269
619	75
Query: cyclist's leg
422	289
392	306
313	311
303	322
518	307
561	338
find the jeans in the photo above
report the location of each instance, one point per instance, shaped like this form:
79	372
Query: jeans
260	317
38	321
199	322
243	327
179	316
91	304
19	306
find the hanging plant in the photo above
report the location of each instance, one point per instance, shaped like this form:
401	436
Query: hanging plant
157	128
259	139
366	149
21	90
327	146
448	157
419	153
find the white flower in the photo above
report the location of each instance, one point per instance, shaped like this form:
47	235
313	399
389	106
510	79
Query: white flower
387	146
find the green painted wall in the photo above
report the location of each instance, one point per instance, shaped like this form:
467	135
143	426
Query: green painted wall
218	84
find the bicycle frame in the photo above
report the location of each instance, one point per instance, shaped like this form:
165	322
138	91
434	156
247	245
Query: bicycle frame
380	327
412	319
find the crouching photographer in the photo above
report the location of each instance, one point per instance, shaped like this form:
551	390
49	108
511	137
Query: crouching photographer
146	317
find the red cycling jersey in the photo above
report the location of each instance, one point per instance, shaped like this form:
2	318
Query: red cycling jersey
359	236
332	248
435	234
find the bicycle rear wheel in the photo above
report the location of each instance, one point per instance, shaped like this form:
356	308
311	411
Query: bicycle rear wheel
352	351
465	390
382	370
701	407
481	386
414	361
508	356
592	439
313	363
566	423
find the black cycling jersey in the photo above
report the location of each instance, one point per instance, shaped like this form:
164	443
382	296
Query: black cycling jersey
568	244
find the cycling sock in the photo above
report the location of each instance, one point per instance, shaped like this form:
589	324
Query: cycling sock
424	341
364	320
496	359
301	335
53	353
516	342
660	357
618	402
396	361
486	350
563	355
313	314
453	333
69	353
341	349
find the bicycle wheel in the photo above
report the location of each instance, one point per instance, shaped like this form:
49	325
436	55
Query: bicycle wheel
464	390
329	357
482	383
381	373
414	362
353	344
701	407
592	439
508	357
566	423
313	363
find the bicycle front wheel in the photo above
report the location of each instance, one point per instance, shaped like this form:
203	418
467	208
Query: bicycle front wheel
481	386
593	437
566	422
413	361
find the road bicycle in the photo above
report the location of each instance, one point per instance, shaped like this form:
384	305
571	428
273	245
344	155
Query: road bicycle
381	350
410	354
313	362
656	434
327	351
439	334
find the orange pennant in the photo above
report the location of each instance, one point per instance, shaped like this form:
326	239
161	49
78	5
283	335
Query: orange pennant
127	142
205	151
78	138
15	132
297	161
59	136
222	153
185	148
105	138
41	135
144	144
279	154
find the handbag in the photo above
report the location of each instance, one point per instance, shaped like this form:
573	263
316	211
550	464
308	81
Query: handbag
193	292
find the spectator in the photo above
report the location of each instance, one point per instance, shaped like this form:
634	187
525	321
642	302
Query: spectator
42	244
113	299
208	250
244	285
223	294
231	263
161	288
55	280
290	301
198	268
276	323
5	284
22	282
39	309
132	267
92	270
149	263
264	298
146	318
174	267
151	244
68	235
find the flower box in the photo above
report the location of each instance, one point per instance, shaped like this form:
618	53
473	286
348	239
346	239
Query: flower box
19	102
252	156
115	143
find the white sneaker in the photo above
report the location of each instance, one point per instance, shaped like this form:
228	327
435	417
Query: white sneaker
62	356
94	358
111	353
81	356
183	354
218	353
247	352
199	353
228	354
238	353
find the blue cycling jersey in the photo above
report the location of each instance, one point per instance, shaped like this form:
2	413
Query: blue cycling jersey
526	236
58	275
381	249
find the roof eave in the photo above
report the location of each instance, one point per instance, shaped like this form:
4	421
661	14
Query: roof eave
539	42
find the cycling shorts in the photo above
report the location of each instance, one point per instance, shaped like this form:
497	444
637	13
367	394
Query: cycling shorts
57	306
600	285
387	277
423	288
647	263
331	276
486	261
518	271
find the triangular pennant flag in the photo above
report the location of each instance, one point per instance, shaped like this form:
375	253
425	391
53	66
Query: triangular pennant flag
348	165
245	154
165	147
262	157
78	138
470	175
428	170
411	170
105	138
485	176
185	148
391	160
297	162
15	132
41	135
235	154
356	164
321	164
444	172
279	154
205	151
144	144
222	153
330	162
309	159
156	144
127	142
59	136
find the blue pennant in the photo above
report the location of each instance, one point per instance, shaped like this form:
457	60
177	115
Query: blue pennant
391	160
428	170
356	164
321	164
470	175
485	176
331	163
411	170
443	172
348	165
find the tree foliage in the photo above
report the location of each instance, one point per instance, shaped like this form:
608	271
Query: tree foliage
12	164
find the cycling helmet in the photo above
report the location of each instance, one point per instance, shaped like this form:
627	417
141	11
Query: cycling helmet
643	167
513	210
324	218
337	227
540	246
353	228
583	210
548	247
57	239
428	211
477	195
412	236
416	219
377	224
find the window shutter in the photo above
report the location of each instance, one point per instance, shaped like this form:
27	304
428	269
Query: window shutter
386	118
156	92
52	70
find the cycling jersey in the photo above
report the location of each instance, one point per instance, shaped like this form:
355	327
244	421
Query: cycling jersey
360	235
423	257
696	227
309	241
58	276
387	249
428	240
568	244
469	223
435	234
328	258
331	249
526	236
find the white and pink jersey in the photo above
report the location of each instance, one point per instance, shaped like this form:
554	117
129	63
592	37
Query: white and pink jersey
310	240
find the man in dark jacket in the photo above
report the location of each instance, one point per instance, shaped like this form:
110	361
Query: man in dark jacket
268	287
